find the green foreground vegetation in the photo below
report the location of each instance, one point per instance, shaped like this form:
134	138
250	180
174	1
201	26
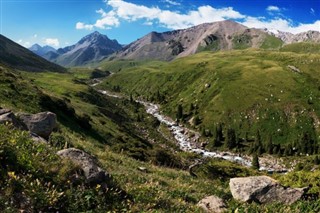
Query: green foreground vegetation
123	137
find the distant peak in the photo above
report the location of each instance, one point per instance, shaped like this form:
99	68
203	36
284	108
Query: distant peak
95	33
93	36
36	45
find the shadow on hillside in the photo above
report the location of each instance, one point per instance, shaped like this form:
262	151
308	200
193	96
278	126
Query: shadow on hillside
67	116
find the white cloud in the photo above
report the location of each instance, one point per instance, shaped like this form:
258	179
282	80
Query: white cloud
107	20
52	42
172	2
312	11
35	35
148	23
132	12
82	26
26	44
281	25
273	8
121	10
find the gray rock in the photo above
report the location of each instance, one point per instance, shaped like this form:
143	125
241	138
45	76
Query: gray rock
143	169
212	204
4	111
42	123
10	118
263	189
294	69
93	173
36	138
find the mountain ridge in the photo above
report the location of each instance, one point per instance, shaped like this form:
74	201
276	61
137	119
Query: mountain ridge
223	35
41	50
18	57
166	46
91	48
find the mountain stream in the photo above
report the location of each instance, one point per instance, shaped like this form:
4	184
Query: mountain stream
188	142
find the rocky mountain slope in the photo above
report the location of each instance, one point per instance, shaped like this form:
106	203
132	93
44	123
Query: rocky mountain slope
18	57
223	35
92	48
289	38
41	51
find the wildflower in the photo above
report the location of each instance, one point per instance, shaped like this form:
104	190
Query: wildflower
12	175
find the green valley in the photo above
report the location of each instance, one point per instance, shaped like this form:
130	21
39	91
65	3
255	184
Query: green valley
275	93
217	117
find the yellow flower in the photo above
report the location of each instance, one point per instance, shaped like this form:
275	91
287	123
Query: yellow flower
12	175
98	186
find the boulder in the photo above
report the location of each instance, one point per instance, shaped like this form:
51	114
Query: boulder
42	123
212	204
8	117
37	139
93	173
263	189
4	111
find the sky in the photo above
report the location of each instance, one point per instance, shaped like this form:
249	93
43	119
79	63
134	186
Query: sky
61	23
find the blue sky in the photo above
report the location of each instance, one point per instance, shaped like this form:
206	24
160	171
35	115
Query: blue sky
61	23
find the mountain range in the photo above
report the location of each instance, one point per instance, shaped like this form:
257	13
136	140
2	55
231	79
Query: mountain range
289	38
224	35
41	51
166	46
92	48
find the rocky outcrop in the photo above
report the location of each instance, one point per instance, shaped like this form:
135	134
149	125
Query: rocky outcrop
42	123
184	42
6	116
289	38
212	204
93	173
263	189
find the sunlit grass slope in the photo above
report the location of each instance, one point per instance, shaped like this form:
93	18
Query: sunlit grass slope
276	93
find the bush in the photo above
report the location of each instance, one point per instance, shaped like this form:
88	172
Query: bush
164	158
59	141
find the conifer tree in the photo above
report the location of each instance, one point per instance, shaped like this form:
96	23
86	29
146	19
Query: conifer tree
231	139
191	108
179	112
255	162
219	133
269	146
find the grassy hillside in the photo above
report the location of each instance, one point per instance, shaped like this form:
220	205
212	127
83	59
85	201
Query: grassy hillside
34	178
275	93
118	65
18	57
302	47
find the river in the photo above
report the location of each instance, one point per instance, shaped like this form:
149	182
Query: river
187	142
